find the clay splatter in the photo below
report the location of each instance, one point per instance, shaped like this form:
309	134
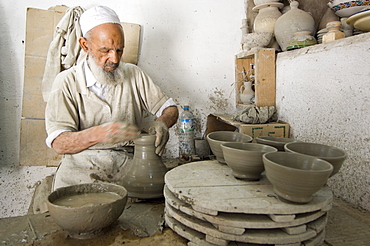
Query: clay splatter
218	101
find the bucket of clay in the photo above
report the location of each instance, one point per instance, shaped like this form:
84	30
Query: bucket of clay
85	210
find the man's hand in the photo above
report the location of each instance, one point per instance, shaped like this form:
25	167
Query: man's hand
160	129
118	132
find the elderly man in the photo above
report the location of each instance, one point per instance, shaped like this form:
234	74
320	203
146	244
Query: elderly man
96	107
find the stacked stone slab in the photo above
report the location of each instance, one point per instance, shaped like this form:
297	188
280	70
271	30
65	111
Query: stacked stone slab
207	205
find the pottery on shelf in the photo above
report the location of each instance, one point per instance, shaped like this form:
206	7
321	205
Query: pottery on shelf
360	20
267	15
245	159
255	40
344	8
293	21
87	220
295	177
328	16
259	2
301	39
215	139
246	92
334	32
144	175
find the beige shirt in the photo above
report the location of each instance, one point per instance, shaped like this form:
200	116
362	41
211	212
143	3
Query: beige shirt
73	107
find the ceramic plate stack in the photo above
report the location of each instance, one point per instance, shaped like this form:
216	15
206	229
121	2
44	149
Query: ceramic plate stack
208	206
319	35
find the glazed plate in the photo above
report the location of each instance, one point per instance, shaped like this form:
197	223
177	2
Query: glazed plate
360	21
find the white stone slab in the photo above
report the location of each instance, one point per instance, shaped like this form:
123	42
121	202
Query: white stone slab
211	186
240	220
259	236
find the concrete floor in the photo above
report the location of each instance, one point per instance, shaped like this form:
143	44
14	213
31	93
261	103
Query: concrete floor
346	226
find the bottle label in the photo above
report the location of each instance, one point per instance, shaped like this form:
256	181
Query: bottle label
186	125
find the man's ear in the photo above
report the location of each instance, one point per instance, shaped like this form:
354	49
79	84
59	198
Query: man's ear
84	44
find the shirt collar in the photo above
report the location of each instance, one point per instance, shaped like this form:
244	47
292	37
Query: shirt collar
90	79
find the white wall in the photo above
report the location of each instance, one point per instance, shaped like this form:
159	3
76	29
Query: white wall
323	91
188	48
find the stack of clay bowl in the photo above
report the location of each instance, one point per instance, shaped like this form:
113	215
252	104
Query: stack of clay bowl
207	205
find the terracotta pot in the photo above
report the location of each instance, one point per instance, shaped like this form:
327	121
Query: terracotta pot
296	177
215	139
333	155
144	176
295	20
87	221
245	159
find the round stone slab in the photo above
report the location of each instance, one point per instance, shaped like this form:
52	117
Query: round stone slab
209	187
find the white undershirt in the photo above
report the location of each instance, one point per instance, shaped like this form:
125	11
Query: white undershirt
100	91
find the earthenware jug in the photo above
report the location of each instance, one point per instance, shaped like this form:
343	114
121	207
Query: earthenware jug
246	93
144	176
293	21
267	15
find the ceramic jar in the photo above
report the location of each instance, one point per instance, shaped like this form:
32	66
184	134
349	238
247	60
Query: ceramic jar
334	32
246	93
144	176
300	40
293	21
267	15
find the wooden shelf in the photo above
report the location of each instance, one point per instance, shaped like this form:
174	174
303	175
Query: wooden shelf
261	64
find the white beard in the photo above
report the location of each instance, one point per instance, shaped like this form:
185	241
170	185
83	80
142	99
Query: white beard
102	76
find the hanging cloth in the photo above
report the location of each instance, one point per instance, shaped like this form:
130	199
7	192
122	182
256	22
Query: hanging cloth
64	50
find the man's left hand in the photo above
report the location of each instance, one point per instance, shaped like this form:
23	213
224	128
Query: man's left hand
160	129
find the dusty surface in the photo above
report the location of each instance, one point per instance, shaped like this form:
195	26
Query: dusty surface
347	226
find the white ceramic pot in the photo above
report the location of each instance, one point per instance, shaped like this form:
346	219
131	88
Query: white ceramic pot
295	20
267	15
246	93
348	8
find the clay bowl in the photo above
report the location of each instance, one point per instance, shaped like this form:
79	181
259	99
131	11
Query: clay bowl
295	177
245	159
90	219
277	142
215	139
333	155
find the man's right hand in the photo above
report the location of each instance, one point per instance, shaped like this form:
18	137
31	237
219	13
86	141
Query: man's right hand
118	132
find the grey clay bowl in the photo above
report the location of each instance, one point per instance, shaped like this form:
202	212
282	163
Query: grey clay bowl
295	177
87	221
333	155
245	159
215	139
277	142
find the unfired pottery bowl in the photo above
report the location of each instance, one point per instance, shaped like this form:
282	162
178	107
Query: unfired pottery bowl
333	155
245	159
90	220
277	142
215	139
295	177
254	40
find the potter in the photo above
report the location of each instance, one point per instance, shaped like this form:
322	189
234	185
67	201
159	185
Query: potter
96	107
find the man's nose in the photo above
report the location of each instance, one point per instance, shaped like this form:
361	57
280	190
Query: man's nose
114	56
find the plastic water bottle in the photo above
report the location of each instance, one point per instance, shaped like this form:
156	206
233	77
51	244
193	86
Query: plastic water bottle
186	134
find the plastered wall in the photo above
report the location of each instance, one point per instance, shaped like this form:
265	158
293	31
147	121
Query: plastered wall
323	91
188	48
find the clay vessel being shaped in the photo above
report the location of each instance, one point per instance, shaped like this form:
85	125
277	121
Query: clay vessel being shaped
215	139
295	20
84	221
295	177
277	142
334	155
144	176
245	159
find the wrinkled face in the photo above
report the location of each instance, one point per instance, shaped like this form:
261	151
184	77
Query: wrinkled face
105	44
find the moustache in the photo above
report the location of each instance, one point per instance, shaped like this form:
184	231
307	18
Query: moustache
111	64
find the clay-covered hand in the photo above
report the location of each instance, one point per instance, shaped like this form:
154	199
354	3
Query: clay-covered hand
160	129
118	132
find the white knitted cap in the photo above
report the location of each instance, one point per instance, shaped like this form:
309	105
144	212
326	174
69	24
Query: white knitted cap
96	16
